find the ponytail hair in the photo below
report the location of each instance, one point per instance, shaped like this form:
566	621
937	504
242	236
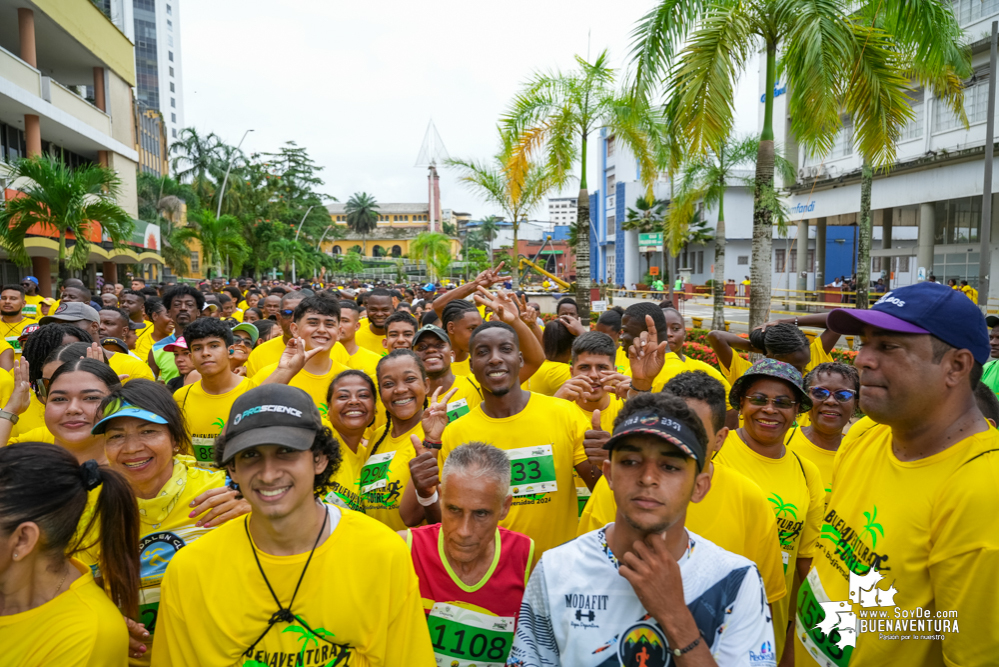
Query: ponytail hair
45	485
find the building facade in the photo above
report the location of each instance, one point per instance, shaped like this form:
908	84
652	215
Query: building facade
158	61
151	141
398	225
562	210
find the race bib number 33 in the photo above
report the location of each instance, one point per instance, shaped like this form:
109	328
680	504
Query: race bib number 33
463	638
532	470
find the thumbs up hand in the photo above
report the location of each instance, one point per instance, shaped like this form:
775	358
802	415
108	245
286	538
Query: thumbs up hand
423	468
593	442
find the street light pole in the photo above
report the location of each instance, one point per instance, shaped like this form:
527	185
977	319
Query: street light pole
294	277
218	213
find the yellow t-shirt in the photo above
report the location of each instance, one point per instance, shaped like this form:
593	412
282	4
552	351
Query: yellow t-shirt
621	361
857	429
206	415
740	366
793	487
930	529
734	514
80	627
345	480
237	315
462	368
467	398
32	306
607	417
144	342
11	332
30	419
270	353
384	475
364	360
370	341
315	386
6	387
549	378
799	443
673	366
544	442
360	590
135	369
40	434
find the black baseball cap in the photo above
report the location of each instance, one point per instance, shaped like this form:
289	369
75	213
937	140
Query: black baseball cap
647	422
431	329
273	414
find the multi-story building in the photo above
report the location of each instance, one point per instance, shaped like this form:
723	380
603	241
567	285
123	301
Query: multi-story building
562	210
397	226
66	77
151	141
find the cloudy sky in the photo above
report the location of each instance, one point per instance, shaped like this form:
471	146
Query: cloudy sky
357	83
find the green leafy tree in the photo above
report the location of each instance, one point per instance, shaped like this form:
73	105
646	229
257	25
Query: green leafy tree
351	264
196	159
221	240
435	249
281	251
833	65
515	191
645	218
558	111
64	201
362	215
489	229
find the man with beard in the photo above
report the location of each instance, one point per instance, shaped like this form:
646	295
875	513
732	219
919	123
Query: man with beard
12	321
183	304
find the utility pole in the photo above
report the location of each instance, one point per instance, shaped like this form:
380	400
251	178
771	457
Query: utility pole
985	232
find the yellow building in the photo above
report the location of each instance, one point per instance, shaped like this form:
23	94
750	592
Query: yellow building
398	225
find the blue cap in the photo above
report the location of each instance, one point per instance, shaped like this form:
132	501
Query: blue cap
32	279
429	287
923	308
127	410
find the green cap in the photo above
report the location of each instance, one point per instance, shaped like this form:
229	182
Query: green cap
433	329
248	328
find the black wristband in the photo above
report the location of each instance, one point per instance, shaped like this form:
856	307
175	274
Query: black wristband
634	388
688	648
430	444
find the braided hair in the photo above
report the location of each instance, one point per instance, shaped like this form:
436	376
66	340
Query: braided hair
395	354
43	342
778	340
454	311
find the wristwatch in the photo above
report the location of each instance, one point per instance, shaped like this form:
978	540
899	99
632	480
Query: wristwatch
9	416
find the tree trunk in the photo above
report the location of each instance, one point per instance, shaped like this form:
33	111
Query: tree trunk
762	262
864	240
63	271
669	268
583	256
516	254
718	286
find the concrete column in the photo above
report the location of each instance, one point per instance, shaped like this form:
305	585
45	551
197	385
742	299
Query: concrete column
99	100
26	31
32	134
42	269
886	222
102	158
820	253
110	270
924	246
802	247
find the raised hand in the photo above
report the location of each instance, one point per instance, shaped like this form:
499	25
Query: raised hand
573	324
295	356
424	469
593	442
20	399
647	356
96	352
573	388
490	277
435	416
502	305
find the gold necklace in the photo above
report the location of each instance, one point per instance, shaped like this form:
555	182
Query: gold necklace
61	582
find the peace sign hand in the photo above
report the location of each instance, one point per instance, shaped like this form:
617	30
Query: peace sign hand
435	416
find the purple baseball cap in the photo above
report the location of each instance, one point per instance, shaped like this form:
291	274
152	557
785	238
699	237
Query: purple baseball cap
923	308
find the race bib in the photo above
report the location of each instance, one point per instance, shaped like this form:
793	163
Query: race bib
532	470
30	310
374	474
466	638
582	495
14	343
204	450
457	409
823	648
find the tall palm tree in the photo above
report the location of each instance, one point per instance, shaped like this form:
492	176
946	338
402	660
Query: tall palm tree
65	201
830	62
435	249
281	251
516	192
221	239
489	229
362	215
196	158
559	111
645	218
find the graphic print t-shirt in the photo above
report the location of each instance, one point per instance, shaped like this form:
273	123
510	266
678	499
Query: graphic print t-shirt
579	611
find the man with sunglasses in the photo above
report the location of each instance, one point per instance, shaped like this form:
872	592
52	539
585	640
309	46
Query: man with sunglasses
32	299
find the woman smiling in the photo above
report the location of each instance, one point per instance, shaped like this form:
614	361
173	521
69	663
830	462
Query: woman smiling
351	401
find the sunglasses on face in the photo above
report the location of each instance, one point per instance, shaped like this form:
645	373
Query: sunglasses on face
245	342
781	403
287	312
42	388
841	395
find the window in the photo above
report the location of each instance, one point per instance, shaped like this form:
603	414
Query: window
169	10
169	24
195	263
171	70
810	259
794	261
778	260
876	264
172	88
742	259
610	185
914	128
843	146
969	11
173	102
700	261
170	55
957	220
902	264
169	40
976	103
173	118
610	145
611	225
174	131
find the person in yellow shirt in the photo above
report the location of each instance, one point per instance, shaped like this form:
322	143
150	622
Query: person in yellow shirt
911	525
134	304
969	291
542	436
206	403
352	403
258	590
360	358
54	613
459	318
555	370
610	324
734	514
400	327
769	396
779	339
32	299
371	333
317	323
145	441
270	351
12	321
833	388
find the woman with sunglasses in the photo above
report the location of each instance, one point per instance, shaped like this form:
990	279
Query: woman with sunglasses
146	442
833	388
244	339
351	401
769	396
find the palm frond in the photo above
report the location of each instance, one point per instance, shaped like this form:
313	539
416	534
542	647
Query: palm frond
656	38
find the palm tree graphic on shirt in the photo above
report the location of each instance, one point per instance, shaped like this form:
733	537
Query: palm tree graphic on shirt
219	423
782	509
872	527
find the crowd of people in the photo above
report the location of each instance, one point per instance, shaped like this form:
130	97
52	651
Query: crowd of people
260	473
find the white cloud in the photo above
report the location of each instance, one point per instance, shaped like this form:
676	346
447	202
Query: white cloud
356	83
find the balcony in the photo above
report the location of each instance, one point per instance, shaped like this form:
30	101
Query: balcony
66	100
20	73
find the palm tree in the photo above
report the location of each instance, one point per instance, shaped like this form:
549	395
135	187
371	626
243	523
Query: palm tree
199	156
832	64
281	251
221	239
646	217
558	110
362	215
435	249
489	229
64	201
927	46
516	192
